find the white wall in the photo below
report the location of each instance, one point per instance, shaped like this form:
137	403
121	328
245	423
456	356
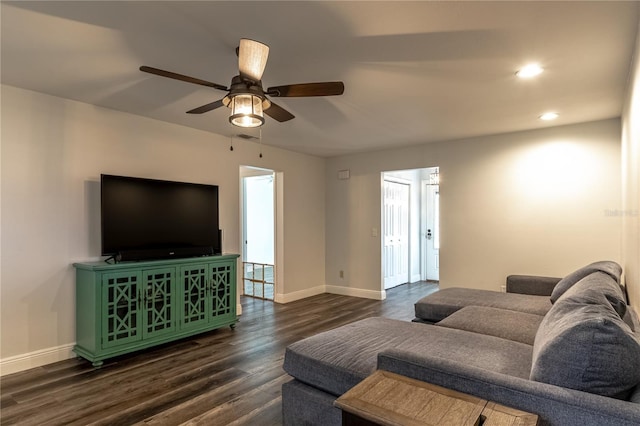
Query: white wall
630	211
53	152
530	202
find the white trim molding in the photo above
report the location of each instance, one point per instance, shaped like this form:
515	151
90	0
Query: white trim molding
356	292
332	289
17	363
301	294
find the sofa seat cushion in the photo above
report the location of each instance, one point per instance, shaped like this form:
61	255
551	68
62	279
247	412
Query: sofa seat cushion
584	344
511	325
336	360
441	304
608	267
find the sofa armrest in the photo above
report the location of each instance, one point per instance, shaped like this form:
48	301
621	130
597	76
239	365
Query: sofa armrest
554	405
531	284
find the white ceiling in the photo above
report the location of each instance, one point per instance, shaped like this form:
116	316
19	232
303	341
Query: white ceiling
414	72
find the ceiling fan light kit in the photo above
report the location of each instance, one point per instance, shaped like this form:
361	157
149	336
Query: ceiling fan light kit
247	102
246	98
246	111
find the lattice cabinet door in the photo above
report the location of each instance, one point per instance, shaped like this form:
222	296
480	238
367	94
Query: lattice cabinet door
193	296
158	316
222	286
121	320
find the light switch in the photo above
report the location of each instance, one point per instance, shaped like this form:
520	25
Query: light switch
374	232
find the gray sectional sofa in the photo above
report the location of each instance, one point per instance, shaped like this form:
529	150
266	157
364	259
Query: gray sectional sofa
570	352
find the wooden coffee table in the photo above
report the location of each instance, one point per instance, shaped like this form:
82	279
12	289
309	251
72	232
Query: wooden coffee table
390	399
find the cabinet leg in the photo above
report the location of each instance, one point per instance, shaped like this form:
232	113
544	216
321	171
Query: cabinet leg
97	364
233	326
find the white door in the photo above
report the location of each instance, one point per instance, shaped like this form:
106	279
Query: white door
395	233
432	233
259	232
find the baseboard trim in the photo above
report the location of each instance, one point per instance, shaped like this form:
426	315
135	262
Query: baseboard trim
356	292
42	357
239	309
301	294
15	364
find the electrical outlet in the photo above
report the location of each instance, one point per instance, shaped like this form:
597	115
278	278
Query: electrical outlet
503	288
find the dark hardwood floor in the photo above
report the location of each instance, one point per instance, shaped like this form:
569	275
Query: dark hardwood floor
224	377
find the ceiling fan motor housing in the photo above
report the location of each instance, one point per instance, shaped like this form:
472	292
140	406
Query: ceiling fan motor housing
240	86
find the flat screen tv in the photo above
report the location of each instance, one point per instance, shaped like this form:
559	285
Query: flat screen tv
148	218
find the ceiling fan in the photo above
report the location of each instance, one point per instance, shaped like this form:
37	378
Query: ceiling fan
245	96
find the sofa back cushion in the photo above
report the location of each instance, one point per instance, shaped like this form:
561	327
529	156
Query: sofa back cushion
583	344
591	288
610	268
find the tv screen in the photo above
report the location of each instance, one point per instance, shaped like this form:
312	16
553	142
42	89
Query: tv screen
146	218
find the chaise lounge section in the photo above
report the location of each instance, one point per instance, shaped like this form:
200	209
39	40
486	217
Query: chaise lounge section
576	364
525	293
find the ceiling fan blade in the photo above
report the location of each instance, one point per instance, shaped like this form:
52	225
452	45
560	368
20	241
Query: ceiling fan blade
278	113
252	58
181	77
330	88
206	108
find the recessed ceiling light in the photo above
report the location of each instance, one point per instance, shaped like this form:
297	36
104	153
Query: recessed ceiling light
548	116
529	71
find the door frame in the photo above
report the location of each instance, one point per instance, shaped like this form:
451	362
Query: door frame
278	229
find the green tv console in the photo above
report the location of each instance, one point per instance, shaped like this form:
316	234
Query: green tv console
124	307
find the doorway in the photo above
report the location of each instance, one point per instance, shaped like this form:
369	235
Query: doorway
410	226
258	233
